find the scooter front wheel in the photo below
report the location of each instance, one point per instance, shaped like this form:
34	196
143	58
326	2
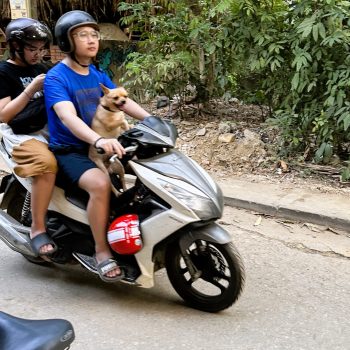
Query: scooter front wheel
218	279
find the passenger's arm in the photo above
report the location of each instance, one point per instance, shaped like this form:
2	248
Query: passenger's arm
10	108
68	115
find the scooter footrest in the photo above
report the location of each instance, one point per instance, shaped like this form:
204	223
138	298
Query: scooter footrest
87	261
131	273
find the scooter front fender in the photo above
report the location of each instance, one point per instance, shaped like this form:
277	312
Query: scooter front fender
212	233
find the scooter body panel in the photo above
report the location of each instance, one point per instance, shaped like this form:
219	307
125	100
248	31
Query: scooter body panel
61	205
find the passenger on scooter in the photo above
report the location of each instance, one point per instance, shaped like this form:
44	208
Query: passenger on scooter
24	130
72	93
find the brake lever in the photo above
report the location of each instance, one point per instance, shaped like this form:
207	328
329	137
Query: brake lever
129	149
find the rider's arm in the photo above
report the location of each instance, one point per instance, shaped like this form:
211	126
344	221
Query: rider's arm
131	108
134	110
67	113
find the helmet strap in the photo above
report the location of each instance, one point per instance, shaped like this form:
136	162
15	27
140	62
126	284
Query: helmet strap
75	60
17	52
21	57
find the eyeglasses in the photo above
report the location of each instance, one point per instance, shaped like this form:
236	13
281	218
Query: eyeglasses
35	50
84	36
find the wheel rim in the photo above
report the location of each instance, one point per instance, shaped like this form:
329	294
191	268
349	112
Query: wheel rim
215	277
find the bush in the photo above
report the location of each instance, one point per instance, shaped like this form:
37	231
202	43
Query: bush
290	55
186	46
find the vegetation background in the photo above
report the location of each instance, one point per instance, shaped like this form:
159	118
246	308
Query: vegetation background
292	56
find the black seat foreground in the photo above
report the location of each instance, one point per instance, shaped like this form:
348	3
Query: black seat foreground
22	334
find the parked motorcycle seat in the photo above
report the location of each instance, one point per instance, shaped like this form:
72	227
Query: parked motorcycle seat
19	333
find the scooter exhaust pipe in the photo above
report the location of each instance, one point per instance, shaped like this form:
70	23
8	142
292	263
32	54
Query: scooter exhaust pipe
15	235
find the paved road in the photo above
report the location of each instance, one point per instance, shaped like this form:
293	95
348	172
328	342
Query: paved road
296	296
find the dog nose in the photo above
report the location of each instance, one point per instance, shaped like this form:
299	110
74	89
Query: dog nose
123	102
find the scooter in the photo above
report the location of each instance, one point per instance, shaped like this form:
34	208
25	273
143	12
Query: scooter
20	333
166	218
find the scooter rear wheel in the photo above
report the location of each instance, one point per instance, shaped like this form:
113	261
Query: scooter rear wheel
220	270
14	207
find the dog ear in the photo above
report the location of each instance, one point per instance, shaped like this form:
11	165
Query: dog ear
104	89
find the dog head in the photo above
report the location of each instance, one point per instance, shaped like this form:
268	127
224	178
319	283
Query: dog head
113	98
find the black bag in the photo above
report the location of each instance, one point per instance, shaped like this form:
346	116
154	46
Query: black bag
31	119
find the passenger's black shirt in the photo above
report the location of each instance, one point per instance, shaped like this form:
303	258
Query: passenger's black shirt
14	79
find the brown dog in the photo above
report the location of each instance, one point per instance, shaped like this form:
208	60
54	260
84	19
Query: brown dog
109	122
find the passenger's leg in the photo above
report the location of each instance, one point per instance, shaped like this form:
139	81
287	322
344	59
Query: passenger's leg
98	185
42	188
34	160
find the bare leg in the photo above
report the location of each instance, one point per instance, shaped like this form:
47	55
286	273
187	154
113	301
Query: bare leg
98	185
42	188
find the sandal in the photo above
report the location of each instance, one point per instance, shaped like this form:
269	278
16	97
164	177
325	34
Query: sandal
106	266
41	240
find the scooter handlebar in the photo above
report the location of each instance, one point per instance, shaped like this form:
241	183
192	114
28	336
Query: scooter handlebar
129	149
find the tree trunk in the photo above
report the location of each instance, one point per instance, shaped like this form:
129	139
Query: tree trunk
5	13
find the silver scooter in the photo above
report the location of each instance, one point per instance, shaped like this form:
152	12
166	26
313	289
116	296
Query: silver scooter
177	205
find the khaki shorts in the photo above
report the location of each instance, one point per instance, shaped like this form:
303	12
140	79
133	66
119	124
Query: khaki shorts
33	158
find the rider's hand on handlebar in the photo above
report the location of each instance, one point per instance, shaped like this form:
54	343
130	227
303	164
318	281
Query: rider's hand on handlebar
111	146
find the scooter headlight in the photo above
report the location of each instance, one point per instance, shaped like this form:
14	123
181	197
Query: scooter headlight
191	197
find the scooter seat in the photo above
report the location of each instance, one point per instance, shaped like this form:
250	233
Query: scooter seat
19	333
77	196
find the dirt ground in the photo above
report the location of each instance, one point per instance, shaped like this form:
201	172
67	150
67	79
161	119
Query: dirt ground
231	140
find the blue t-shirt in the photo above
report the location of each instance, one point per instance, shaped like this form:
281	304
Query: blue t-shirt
84	91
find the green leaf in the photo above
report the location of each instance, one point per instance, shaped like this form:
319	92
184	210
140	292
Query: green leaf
315	31
328	152
311	86
330	101
295	81
346	122
319	153
306	26
340	98
322	30
345	174
318	55
223	6
211	48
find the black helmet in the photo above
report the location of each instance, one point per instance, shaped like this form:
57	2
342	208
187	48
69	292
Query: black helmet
23	30
69	21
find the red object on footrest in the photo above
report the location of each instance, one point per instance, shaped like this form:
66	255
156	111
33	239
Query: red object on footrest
124	234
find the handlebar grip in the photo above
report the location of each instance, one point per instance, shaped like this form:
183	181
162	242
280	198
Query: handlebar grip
128	149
